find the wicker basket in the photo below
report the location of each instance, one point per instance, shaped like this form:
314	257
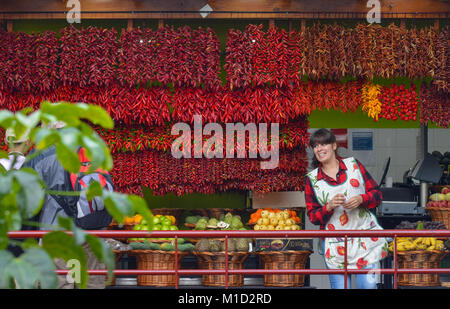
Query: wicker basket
440	214
156	260
419	259
216	260
284	260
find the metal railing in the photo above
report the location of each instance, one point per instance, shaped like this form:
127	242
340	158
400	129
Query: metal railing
260	234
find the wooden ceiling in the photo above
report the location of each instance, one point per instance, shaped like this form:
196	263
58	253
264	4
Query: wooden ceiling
241	9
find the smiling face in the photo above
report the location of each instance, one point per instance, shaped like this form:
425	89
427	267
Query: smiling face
325	152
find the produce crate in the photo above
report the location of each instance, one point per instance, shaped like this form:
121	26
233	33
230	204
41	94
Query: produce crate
216	260
419	259
440	214
284	244
156	260
284	260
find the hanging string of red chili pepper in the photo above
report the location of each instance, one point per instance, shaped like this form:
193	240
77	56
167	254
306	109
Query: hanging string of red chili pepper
134	139
163	174
434	106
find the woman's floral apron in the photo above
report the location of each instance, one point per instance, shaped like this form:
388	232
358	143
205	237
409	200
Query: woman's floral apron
360	251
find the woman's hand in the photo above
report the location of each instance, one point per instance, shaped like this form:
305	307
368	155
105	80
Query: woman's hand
337	200
353	202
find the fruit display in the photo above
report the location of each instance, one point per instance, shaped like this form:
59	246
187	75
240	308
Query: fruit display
425	225
165	246
419	243
160	223
275	219
218	245
226	221
440	199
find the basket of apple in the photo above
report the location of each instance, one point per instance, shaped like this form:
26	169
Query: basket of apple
439	206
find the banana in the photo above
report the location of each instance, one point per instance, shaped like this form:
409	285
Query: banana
430	248
433	241
418	240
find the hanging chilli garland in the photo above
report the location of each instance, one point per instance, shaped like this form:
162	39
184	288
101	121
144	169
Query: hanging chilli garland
434	106
163	174
180	57
125	139
88	57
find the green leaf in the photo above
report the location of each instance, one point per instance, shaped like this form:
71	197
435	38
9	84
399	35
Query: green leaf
78	235
94	189
61	245
3	155
6	118
5	183
140	207
68	158
45	138
6	258
103	253
118	205
31	194
98	116
32	267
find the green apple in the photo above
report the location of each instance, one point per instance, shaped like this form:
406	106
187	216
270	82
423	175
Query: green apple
173	228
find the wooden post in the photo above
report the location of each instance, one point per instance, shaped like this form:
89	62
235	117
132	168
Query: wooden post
130	24
403	23
303	25
160	23
290	25
9	25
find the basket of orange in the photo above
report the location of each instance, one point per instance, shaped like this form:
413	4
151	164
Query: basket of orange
275	219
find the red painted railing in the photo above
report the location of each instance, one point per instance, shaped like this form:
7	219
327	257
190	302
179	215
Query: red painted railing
259	234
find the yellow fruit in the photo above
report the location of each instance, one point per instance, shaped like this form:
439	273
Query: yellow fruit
281	222
285	214
260	221
279	227
265	221
271	227
257	227
264	214
274	221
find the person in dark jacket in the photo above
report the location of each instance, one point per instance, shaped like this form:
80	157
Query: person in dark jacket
53	174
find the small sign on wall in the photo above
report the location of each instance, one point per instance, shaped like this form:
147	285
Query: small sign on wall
362	141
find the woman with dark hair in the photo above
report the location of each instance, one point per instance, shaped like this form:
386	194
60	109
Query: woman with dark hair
339	193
